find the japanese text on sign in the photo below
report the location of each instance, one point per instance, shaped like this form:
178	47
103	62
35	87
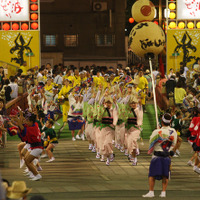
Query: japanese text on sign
188	9
14	10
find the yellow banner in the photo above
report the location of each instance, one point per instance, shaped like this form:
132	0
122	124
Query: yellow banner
182	46
20	48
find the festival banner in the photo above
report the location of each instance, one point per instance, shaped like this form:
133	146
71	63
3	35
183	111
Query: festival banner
19	47
182	46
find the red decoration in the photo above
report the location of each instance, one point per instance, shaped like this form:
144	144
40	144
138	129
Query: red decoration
34	0
34	7
131	20
24	26
15	26
34	16
34	25
6	26
155	22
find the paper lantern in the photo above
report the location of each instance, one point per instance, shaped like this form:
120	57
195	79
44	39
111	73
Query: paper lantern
143	10
190	25
131	20
15	26
172	25
34	7
141	42
34	25
155	22
24	26
34	16
198	24
172	6
34	0
6	26
172	15
181	25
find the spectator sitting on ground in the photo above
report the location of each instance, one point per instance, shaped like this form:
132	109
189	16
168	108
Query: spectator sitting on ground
18	190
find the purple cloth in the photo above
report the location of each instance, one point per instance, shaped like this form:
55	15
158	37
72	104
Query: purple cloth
159	167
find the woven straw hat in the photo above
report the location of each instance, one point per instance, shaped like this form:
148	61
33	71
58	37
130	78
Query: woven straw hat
18	190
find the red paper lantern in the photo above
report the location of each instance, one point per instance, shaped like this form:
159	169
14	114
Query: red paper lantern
155	22
15	26
6	26
24	26
34	25
33	0
34	7
131	20
34	16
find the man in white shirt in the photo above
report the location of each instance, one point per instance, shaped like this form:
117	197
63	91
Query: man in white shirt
14	87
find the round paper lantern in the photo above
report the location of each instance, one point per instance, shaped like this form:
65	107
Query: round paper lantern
141	42
34	7
172	25
131	20
6	26
181	25
155	22
34	25
190	25
172	15
15	26
172	6
34	16
143	10
198	24
24	26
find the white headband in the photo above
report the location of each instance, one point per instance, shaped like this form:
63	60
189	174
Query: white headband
165	120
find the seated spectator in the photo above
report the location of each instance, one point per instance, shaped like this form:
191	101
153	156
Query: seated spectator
18	190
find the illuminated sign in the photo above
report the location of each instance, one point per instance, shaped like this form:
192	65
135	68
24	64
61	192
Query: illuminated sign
188	9
14	10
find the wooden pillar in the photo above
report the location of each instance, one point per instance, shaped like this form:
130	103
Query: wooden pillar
160	13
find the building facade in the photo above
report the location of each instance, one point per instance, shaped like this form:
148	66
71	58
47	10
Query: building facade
83	32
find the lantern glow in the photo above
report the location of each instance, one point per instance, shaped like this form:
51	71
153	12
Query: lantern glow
34	25
190	25
6	26
34	16
15	26
172	25
131	20
34	7
181	25
172	6
24	26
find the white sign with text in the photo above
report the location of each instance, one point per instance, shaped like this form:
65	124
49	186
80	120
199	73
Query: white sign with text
14	10
188	9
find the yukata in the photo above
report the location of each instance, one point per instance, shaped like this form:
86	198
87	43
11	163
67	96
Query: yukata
162	141
75	120
108	118
133	124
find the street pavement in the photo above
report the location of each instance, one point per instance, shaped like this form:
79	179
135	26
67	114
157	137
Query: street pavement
77	174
